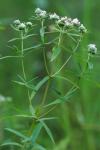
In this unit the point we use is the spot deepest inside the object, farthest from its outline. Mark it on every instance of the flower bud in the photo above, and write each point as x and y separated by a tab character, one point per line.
22	26
41	13
82	29
38	11
29	24
76	22
92	49
17	22
54	16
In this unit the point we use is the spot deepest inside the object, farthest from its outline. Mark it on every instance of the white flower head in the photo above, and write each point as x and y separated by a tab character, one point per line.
64	18
29	24
38	11
65	22
21	26
76	22
82	28
68	23
54	16
17	22
41	13
92	48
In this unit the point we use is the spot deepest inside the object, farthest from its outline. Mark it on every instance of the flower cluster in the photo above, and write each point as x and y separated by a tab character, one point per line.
54	16
67	23
61	21
70	23
40	13
22	26
92	49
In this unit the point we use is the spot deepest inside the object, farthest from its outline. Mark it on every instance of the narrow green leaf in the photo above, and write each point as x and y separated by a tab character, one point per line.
11	143
16	133
55	52
49	118
26	84
21	78
63	99
14	39
33	94
30	86
38	86
36	132
66	79
52	41
32	110
32	79
30	35
25	116
18	82
72	34
39	147
48	131
5	57
33	47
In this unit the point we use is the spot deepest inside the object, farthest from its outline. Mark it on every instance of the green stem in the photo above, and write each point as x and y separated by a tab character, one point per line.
44	53
60	38
23	68
45	61
45	92
22	52
46	67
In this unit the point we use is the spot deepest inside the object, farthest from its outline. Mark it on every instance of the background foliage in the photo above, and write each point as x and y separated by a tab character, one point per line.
79	125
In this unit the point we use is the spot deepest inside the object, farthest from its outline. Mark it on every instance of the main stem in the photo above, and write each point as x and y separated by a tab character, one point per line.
46	67
22	53
45	92
23	68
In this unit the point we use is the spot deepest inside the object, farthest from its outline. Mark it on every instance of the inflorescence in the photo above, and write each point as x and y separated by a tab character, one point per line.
61	21
65	22
21	25
92	49
68	23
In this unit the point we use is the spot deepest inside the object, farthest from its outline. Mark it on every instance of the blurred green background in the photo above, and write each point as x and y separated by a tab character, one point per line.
68	131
